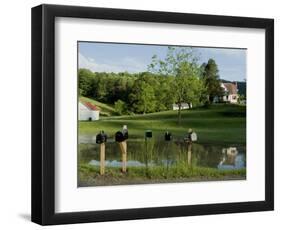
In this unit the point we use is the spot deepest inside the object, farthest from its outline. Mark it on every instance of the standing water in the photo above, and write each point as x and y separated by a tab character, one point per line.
167	153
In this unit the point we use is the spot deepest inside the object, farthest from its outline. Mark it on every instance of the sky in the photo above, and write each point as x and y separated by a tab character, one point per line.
134	58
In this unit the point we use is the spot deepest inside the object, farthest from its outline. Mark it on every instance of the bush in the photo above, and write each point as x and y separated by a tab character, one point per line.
120	107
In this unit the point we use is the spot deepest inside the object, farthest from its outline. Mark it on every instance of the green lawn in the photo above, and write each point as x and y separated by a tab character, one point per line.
222	123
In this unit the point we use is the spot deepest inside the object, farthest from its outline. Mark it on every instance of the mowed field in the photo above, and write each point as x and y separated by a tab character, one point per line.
215	124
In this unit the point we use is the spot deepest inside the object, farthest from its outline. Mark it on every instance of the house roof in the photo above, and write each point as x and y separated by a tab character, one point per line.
90	106
231	88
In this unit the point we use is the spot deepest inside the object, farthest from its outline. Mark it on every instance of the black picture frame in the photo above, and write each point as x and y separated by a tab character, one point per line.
43	114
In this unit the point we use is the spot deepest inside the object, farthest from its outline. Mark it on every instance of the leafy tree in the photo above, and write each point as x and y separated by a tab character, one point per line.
180	63
211	79
163	93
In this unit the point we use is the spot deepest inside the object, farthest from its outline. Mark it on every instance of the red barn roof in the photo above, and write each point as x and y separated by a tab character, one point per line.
90	106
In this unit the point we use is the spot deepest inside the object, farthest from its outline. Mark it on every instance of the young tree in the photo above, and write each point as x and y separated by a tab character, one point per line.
211	79
180	63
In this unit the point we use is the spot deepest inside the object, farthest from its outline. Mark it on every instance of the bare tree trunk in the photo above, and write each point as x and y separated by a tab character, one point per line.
179	114
208	99
211	99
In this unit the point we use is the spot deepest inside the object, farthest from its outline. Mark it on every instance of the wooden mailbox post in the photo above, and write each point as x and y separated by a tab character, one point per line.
102	158
168	138
123	148
121	138
189	148
101	138
191	137
147	135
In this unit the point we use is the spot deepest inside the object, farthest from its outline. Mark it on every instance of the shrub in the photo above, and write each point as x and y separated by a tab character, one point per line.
120	107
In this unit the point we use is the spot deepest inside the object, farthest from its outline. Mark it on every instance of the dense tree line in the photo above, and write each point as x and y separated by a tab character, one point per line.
175	79
130	93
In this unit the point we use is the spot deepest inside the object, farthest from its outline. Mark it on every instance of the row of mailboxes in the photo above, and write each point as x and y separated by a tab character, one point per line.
123	135
120	136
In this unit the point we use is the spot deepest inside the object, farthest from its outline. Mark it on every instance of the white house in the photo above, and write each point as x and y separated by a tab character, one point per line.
88	111
230	93
183	106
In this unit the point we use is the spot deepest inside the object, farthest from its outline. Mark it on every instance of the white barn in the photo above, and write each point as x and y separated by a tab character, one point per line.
183	106
88	111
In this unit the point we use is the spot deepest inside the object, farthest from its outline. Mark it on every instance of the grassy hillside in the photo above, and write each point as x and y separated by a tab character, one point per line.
106	110
216	124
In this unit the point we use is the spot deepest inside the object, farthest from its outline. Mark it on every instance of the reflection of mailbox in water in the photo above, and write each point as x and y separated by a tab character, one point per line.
101	138
121	136
168	136
148	134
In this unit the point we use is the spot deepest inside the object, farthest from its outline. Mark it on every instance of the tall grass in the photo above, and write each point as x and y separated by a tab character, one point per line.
89	175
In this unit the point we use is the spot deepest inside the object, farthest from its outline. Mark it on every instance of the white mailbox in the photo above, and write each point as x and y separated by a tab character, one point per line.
193	136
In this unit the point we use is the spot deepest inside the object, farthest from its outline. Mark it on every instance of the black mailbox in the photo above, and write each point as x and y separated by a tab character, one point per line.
168	136
121	136
101	138
125	134
148	134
